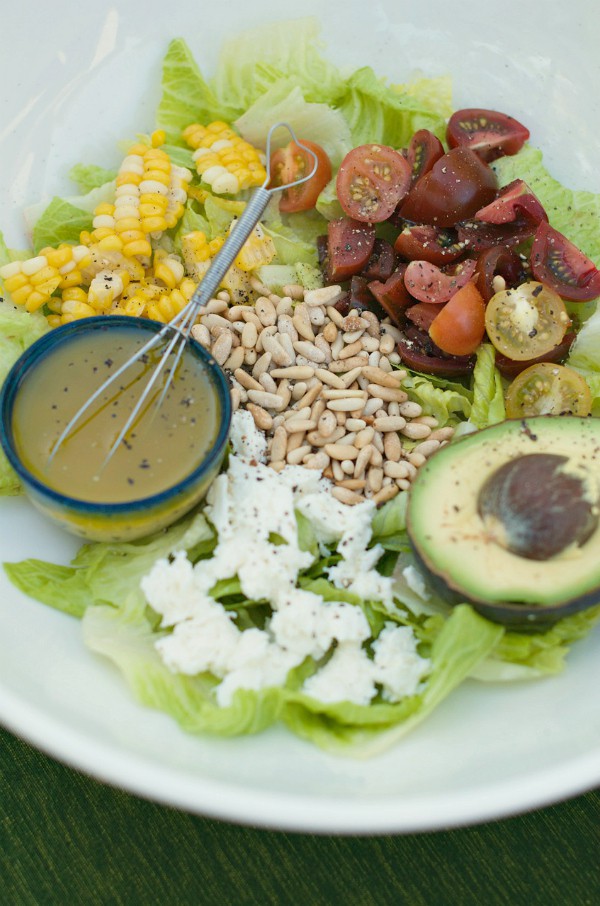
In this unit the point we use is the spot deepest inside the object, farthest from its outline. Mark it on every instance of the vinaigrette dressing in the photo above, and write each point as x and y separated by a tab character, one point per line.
164	445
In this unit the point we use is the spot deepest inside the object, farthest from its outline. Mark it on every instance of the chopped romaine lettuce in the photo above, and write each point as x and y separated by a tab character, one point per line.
488	392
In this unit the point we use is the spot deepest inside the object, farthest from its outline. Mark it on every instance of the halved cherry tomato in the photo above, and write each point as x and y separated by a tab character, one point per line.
508	368
293	162
457	186
515	200
428	283
424	150
428	243
478	236
392	295
487	132
460	326
498	261
371	181
526	322
349	246
558	263
548	389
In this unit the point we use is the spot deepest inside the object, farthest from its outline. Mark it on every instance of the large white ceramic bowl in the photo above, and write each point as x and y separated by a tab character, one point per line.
77	77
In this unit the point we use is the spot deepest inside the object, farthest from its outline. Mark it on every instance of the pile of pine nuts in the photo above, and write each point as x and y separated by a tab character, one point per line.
324	388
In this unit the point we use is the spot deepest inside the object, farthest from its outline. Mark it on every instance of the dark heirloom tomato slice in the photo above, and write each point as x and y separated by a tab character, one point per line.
509	368
349	247
514	201
487	132
422	314
293	162
498	261
460	326
478	236
428	243
548	389
526	322
424	150
392	295
381	263
419	352
558	263
457	186
371	181
428	283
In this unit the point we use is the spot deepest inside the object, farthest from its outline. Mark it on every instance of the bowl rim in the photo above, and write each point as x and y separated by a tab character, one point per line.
58	336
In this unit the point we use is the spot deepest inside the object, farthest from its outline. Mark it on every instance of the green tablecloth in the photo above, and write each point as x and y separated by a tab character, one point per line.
69	840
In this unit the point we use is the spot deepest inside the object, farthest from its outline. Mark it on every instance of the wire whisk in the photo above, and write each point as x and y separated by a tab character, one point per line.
179	328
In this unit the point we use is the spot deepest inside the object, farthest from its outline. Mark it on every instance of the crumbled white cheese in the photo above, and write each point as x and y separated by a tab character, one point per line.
246	442
253	510
346	677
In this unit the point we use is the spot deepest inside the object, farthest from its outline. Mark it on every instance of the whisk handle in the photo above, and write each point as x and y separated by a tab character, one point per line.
230	250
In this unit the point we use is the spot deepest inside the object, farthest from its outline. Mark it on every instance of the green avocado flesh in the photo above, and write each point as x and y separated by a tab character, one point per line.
509	515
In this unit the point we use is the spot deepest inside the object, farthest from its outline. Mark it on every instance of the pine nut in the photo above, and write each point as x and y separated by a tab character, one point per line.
323	346
353	484
395	469
385	494
330	332
355	424
235	360
352	350
294	290
341	451
325	295
372	406
364	437
317	409
235	396
294	372
267	382
298	390
266	400
295	457
374	479
343	365
348	404
427	447
285	325
334	394
417	459
284	306
309	351
261	366
246	380
414	431
201	334
344	495
300	424
328	378
250	317
279	444
383	378
278	353
387	394
283	391
318	460
362	460
441	434
222	347
347	467
391	423
392	446
409	409
266	311
327	423
262	419
249	335
336	316
310	396
295	440
317	440
351	376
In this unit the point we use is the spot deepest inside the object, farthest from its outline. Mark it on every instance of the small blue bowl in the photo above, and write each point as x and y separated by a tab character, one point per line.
127	519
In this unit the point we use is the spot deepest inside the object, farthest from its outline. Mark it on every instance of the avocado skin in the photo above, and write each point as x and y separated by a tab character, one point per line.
520	617
523	617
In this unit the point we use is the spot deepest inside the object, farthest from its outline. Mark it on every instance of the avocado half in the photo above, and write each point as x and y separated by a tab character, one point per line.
507	519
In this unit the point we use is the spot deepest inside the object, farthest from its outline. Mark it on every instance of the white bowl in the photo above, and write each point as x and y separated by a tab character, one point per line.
91	77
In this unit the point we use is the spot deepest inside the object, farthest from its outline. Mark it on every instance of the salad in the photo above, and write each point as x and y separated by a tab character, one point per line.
278	600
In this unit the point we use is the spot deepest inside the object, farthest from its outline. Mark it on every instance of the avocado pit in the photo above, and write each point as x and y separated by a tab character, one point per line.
536	508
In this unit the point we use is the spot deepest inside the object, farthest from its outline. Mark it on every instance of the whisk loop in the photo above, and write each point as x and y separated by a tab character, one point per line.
181	325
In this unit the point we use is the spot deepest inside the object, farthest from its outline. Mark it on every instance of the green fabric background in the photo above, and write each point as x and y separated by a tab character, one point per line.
67	839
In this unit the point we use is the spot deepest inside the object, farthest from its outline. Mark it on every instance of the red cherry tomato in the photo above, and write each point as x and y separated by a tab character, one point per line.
349	246
457	186
428	243
498	261
460	326
424	150
293	162
513	201
489	133
392	294
371	182
559	264
428	283
382	262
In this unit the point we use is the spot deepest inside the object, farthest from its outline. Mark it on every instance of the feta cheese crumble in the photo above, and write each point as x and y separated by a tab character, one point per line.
253	510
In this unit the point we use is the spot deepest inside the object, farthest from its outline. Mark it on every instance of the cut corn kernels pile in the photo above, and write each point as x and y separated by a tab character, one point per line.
323	388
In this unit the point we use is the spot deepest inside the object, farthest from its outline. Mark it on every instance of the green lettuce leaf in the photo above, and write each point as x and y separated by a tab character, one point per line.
60	222
584	357
90	176
18	330
488	392
464	640
391	114
186	96
257	58
446	400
